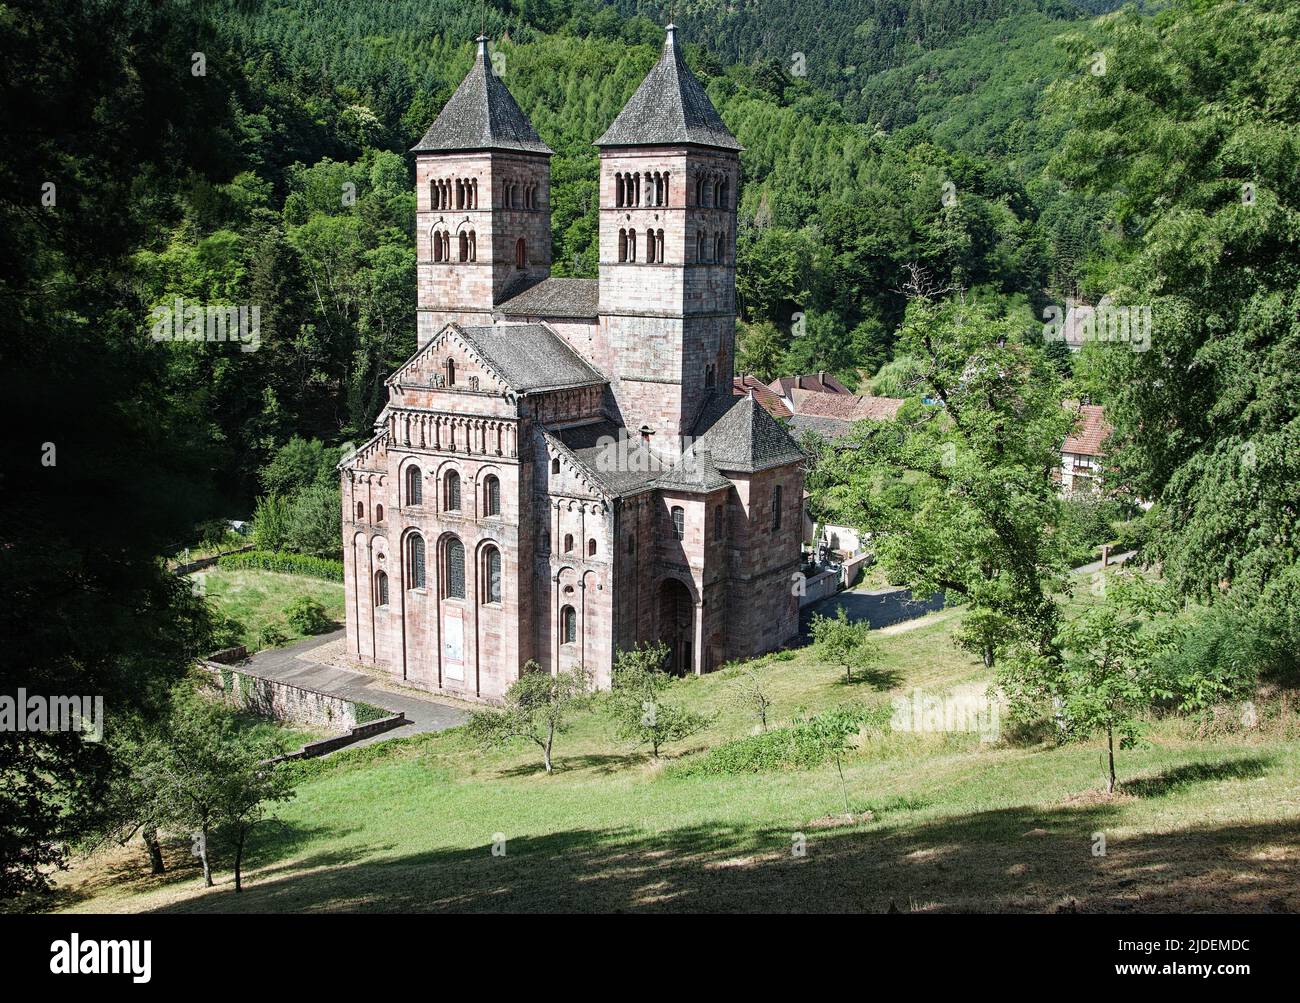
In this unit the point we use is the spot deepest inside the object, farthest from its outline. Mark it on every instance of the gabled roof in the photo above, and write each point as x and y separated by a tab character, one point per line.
530	357
1091	432
821	382
743	385
481	115
742	436
555	297
670	107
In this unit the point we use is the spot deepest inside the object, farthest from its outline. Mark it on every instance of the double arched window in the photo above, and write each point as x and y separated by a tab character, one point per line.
441	246
468	245
453	569
451	491
415	561
414	486
491	495
491	575
626	245
568	625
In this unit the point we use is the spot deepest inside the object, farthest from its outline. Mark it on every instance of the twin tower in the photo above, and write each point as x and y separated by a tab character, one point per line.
659	322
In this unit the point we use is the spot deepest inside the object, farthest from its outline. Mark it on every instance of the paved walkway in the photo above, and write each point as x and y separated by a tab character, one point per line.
294	664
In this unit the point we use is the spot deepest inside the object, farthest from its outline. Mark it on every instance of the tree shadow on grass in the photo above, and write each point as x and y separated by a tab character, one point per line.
880	679
1247	768
598	763
1014	859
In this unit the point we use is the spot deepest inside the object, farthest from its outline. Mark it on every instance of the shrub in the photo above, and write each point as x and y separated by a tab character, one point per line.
227	632
270	635
307	616
286	564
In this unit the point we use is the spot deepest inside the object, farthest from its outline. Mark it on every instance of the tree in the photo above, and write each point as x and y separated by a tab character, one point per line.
749	691
538	707
1109	677
843	642
831	730
957	491
248	785
635	704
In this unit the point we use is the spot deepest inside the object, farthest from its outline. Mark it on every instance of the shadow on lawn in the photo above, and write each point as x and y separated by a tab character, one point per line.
1247	768
1015	859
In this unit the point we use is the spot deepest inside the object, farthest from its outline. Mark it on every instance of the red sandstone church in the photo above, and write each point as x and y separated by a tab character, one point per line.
562	471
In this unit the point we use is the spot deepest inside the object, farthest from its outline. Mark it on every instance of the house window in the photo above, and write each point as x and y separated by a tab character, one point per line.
717	523
415	561
379	513
381	589
776	508
568	543
454	577
591	547
679	522
491	496
491	575
451	491
569	624
414	486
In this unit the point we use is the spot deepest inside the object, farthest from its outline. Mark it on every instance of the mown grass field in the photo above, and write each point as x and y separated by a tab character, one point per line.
258	598
1203	823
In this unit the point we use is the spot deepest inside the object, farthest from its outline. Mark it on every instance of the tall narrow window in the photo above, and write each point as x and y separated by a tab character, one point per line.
569	624
591	547
717	248
451	491
618	190
699	246
473	246
414	486
660	243
679	522
491	575
555	465
622	245
415	561
521	254
568	543
361	510
381	589
379	513
491	495
463	241
454	577
776	507
709	376
717	523
650	246
437	246
631	245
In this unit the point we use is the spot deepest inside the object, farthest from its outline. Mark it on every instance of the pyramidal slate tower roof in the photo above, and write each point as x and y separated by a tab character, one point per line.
670	107
481	115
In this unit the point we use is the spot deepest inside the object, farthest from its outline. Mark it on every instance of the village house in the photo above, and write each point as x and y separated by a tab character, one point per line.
562	470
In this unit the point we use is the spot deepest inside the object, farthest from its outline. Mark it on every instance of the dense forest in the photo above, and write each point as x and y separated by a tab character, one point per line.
237	152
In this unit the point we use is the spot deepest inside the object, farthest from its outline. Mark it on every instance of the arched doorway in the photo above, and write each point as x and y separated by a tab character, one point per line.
676	626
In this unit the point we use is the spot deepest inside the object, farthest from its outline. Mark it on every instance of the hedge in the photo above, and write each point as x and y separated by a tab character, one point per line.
285	563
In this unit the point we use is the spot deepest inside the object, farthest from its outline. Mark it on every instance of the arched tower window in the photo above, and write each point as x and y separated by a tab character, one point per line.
521	254
650	246
451	491
568	543
622	245
379	513
463	241
449	371
776	507
679	522
381	588
717	247
491	495
453	569
473	246
618	190
568	625
414	486
631	245
660	245
361	510
591	547
491	575
699	245
415	561
717	523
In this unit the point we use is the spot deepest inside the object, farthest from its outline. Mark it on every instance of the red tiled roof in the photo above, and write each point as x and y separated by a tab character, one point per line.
774	405
1090	431
848	407
822	383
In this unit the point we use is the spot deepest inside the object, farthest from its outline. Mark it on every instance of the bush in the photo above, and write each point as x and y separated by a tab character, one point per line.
227	632
307	616
271	635
286	564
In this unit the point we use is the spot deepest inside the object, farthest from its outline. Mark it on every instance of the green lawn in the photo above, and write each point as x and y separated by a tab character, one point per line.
256	598
1204	823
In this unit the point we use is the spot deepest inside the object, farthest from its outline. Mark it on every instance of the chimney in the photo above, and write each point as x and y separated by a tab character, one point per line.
821	378
798	382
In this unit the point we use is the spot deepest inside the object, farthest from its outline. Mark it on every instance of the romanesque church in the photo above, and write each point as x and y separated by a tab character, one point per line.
562	470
